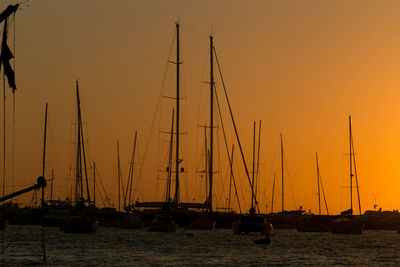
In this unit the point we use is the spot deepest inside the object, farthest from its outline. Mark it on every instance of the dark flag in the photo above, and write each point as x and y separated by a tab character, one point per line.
5	57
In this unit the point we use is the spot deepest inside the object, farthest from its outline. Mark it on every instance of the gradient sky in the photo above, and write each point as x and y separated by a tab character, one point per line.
302	67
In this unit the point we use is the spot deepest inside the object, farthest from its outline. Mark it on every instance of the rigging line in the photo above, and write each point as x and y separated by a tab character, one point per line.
101	183
226	142
323	194
101	197
156	109
191	52
290	181
234	125
355	173
271	172
194	31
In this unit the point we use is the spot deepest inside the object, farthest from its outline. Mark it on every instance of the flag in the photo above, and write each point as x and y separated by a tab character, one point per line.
5	57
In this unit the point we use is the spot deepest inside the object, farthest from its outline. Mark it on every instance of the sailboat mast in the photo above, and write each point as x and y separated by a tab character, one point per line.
168	192
319	195
44	151
273	191
210	167
351	166
177	118
230	179
258	157
4	130
52	183
119	178
133	168
282	174
252	177
78	170
206	161
81	150
94	183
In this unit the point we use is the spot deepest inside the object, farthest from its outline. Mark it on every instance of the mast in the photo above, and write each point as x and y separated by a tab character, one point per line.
133	169
282	174
273	191
80	152
355	174
319	195
52	182
78	170
230	179
44	151
119	179
351	166
84	165
210	169
168	192
258	157
177	118
43	172
206	161
252	177
94	183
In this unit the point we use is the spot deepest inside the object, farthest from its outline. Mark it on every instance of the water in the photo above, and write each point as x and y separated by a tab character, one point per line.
121	247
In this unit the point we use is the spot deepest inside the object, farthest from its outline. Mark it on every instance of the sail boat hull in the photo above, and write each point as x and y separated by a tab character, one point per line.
314	224
80	225
162	223
345	225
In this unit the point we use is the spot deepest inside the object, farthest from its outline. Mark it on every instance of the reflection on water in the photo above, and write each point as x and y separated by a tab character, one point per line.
122	247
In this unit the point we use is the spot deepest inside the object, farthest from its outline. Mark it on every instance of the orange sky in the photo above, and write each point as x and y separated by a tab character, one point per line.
302	67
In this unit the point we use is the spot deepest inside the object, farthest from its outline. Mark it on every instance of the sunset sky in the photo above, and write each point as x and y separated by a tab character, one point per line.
302	67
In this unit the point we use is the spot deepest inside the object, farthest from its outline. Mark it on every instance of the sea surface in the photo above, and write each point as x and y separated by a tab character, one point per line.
121	247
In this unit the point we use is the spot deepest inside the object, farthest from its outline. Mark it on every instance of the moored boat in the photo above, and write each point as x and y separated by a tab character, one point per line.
162	223
252	223
346	225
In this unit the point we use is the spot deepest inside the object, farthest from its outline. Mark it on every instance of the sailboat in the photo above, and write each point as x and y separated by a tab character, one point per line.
81	217
172	204
346	223
10	10
163	221
284	219
253	222
205	220
316	223
131	219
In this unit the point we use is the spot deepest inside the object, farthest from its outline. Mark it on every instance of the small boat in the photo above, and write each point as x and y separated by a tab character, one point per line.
252	223
315	223
162	223
346	223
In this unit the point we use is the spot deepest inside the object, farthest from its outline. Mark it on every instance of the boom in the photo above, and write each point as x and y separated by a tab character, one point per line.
41	183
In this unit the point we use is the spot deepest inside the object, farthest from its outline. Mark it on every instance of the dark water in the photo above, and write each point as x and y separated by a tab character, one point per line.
119	247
